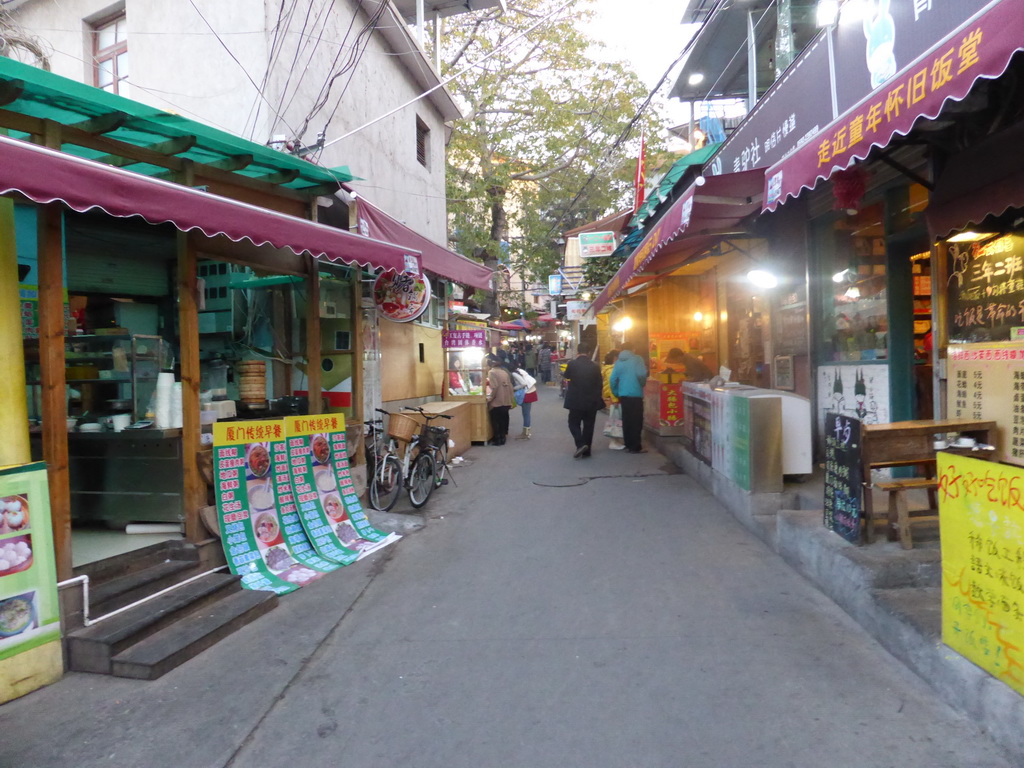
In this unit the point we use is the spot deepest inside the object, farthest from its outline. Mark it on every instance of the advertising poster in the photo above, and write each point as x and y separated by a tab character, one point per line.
842	476
250	528
980	507
328	504
986	382
29	611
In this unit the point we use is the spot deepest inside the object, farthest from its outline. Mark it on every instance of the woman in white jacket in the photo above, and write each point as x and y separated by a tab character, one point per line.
524	387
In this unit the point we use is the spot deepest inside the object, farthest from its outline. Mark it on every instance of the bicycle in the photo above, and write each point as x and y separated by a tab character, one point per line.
391	471
434	440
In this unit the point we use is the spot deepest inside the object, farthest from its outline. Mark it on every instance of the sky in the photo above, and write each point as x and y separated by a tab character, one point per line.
649	34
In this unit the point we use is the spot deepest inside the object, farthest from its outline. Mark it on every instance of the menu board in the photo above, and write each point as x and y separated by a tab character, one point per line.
986	382
251	470
843	476
29	610
986	289
980	507
328	505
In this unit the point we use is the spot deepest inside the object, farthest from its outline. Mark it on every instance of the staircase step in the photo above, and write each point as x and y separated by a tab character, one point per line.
174	645
90	649
121	591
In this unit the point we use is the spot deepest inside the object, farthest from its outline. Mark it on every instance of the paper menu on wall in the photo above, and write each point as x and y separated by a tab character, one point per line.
986	382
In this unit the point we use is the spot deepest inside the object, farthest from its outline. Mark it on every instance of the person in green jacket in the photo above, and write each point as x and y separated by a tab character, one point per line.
627	382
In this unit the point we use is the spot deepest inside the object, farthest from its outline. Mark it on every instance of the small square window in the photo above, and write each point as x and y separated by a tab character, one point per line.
422	142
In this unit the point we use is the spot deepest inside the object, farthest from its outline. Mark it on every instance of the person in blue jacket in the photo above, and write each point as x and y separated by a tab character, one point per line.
627	381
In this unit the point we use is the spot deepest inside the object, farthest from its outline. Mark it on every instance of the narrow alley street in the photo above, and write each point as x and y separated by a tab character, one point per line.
553	612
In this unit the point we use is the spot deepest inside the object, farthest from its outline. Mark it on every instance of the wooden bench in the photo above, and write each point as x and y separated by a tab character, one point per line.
901	517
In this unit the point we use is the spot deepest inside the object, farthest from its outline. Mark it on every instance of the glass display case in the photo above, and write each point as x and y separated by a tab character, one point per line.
114	373
464	374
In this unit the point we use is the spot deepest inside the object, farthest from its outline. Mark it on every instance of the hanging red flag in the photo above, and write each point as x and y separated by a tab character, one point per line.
640	179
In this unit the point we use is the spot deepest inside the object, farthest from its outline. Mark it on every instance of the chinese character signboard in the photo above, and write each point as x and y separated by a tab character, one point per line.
909	77
594	244
980	507
574	310
986	382
843	475
464	339
30	648
986	289
555	285
328	504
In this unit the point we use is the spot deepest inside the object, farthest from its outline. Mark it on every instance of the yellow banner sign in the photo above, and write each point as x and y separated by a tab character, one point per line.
311	425
980	508
242	432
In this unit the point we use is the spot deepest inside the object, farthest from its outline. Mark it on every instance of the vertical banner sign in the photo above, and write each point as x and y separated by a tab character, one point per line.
980	508
250	528
328	505
842	476
29	612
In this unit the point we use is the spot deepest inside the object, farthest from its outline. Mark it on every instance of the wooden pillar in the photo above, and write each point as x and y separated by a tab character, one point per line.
14	448
313	350
358	414
194	491
54	385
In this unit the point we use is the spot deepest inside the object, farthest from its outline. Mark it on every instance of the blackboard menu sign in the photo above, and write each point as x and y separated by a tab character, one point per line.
842	476
986	289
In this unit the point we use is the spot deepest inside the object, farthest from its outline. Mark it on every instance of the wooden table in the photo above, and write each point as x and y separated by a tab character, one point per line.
910	443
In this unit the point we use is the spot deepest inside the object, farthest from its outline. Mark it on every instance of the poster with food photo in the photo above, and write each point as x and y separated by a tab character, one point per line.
247	505
299	559
323	483
29	612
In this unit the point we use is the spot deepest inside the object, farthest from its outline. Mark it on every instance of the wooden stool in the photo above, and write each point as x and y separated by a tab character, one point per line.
900	518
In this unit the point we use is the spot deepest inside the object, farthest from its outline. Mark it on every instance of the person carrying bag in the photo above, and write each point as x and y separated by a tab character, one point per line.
525	393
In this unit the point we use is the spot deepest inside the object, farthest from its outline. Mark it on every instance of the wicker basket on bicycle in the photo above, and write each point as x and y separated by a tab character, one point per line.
433	437
402	427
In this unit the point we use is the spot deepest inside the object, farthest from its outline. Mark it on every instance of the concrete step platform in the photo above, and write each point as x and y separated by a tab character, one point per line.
174	645
91	649
125	589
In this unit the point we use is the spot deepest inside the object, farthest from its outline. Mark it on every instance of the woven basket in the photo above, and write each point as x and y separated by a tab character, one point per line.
402	427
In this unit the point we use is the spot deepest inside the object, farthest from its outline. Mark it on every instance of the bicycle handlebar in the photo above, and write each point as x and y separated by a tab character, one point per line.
426	414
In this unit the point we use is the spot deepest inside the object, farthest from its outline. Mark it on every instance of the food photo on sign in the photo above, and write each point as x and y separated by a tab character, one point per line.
401	297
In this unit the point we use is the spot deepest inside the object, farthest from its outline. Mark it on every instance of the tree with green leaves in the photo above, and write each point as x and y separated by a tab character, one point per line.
551	133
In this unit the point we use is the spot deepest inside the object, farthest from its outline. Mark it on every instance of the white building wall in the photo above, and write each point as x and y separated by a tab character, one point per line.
177	64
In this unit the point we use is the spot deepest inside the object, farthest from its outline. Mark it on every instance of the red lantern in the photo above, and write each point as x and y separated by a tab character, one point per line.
849	187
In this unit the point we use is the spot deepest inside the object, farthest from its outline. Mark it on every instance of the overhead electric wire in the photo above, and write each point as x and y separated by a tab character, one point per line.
458	74
235	58
254	111
299	48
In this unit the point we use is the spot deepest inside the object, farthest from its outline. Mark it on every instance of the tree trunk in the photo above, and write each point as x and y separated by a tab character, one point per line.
490	254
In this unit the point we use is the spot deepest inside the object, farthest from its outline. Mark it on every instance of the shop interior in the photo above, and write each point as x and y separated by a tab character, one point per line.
121	365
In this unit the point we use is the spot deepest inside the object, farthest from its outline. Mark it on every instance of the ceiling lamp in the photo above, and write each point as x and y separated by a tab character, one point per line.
827	13
696	78
762	278
968	237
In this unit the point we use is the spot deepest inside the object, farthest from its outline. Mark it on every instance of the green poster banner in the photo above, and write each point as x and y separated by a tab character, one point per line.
328	503
251	468
29	610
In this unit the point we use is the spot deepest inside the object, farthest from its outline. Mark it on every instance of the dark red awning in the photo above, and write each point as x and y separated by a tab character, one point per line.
980	48
709	210
374	223
47	176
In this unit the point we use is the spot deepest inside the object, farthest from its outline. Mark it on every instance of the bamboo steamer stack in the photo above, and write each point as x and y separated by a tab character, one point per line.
252	381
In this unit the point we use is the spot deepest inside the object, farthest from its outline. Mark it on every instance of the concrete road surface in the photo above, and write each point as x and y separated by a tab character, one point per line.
555	612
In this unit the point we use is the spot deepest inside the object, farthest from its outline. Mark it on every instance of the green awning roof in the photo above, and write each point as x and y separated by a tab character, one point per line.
661	193
36	93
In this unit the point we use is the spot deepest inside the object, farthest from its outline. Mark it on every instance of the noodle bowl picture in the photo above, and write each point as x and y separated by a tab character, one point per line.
259	460
266	528
334	508
321	449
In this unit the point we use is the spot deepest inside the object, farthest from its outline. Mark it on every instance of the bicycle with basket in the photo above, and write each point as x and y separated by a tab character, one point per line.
419	468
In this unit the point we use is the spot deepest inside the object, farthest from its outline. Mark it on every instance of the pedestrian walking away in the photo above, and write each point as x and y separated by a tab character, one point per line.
613	425
499	399
583	399
524	388
544	363
530	360
629	375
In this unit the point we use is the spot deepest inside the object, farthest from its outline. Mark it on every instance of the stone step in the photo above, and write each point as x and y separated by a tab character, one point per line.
118	592
170	647
90	649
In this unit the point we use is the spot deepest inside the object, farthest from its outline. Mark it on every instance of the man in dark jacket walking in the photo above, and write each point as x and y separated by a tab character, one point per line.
583	399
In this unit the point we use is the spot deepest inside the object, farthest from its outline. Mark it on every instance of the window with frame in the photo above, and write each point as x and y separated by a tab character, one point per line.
110	55
422	142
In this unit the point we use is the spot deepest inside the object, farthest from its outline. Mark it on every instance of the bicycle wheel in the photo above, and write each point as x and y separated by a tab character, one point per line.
386	484
421	480
440	464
